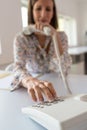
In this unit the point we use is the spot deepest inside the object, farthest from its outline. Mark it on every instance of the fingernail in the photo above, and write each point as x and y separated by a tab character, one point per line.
35	99
41	99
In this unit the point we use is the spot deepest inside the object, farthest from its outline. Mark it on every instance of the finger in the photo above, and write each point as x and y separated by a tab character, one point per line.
47	92
38	25
32	94
41	28
51	88
38	93
42	25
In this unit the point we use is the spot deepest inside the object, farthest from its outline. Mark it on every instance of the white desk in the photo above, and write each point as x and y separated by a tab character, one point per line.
78	51
11	117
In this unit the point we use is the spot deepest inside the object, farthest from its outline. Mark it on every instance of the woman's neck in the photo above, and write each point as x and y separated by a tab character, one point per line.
41	38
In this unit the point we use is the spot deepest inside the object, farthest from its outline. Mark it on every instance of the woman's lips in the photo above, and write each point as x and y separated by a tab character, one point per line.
43	21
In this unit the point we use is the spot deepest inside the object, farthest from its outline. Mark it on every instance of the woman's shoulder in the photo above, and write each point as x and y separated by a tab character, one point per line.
23	38
62	33
19	35
23	34
63	36
20	38
28	30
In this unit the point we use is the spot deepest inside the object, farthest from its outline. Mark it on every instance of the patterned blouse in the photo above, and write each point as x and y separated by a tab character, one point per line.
30	57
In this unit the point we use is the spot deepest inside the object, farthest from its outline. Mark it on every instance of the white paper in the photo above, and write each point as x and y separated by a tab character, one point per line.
4	74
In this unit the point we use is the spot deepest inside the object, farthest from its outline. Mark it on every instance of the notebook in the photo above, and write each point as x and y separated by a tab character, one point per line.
4	74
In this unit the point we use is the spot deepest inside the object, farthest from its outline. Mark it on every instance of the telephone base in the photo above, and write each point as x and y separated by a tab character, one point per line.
67	114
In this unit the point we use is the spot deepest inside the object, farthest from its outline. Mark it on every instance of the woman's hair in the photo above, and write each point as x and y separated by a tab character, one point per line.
54	21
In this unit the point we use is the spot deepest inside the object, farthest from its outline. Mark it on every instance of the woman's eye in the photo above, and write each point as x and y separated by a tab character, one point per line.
48	9
39	8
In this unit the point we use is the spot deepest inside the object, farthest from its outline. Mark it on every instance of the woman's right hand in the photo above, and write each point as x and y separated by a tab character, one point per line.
36	89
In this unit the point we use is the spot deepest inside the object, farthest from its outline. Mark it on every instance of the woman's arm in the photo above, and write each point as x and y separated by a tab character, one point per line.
35	87
20	71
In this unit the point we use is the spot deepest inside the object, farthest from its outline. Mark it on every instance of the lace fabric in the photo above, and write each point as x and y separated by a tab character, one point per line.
28	60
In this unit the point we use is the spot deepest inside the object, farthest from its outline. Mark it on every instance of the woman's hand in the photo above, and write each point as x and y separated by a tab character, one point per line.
37	88
41	25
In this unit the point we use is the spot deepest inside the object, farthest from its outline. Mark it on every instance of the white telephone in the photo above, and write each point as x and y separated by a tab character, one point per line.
31	28
64	113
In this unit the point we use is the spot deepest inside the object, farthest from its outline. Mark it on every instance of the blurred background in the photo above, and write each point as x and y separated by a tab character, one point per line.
72	16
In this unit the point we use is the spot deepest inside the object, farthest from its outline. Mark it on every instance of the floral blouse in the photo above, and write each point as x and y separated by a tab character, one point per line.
30	57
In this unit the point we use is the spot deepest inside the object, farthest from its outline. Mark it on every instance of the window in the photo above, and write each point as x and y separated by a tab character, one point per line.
24	15
24	11
68	25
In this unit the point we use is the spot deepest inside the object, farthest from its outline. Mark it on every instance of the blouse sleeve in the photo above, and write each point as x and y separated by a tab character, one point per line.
19	70
66	60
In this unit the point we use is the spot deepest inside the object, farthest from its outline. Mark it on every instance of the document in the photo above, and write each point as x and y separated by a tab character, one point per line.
4	74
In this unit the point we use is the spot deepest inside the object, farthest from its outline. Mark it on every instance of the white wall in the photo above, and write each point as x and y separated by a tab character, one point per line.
82	23
78	10
67	7
10	24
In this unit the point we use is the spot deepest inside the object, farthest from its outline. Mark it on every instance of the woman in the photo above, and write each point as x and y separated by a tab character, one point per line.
34	52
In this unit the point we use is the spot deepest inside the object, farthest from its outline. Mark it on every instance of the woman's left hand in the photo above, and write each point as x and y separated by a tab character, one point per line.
41	25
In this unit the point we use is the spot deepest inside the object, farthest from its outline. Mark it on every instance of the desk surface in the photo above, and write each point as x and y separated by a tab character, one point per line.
11	117
77	50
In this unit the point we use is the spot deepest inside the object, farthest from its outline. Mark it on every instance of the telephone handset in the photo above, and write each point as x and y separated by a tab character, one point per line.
31	28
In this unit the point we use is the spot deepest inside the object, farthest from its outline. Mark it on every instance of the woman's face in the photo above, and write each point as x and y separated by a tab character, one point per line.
43	11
